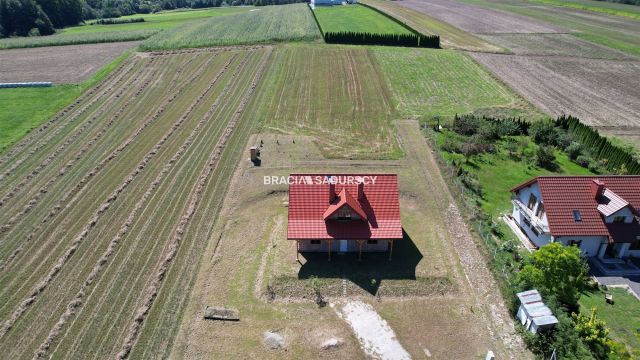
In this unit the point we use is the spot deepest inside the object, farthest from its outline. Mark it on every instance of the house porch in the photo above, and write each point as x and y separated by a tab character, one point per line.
333	246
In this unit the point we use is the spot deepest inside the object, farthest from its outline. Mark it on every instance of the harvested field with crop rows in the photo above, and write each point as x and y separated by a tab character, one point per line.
106	207
267	24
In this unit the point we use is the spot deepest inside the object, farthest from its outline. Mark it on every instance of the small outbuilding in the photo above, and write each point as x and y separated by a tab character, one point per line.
534	315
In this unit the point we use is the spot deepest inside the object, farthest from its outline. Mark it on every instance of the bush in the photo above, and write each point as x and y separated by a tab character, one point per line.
583	161
509	127
490	130
466	125
544	133
451	144
574	150
472	183
546	157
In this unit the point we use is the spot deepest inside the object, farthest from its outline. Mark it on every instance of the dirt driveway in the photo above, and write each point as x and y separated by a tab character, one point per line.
70	64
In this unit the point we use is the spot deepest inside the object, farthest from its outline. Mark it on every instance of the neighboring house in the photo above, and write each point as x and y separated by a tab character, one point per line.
339	214
315	3
599	214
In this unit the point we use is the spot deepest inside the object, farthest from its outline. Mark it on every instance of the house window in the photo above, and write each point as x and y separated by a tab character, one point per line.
344	214
372	242
618	219
527	222
315	242
532	201
576	215
535	231
635	246
540	211
575	243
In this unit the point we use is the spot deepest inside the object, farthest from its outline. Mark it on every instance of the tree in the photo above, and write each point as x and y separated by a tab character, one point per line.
593	332
19	17
556	270
62	12
544	132
545	157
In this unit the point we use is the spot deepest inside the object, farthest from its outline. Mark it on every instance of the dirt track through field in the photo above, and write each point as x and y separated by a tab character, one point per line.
69	64
98	201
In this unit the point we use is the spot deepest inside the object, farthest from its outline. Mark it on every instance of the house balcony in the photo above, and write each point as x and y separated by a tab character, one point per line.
535	221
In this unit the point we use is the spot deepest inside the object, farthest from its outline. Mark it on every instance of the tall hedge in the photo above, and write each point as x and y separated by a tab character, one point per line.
600	146
408	40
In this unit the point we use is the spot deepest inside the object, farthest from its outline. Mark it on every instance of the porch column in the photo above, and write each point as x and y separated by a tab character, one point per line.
297	250
623	250
391	250
360	249
329	250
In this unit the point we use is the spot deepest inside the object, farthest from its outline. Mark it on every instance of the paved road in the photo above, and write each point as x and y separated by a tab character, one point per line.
632	281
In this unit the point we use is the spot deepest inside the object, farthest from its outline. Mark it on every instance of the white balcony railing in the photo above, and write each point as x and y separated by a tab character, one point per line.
535	221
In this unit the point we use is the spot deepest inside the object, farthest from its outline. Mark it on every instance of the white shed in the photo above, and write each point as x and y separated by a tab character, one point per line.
533	313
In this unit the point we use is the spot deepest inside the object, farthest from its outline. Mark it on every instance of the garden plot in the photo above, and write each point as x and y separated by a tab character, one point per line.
248	252
105	207
64	64
479	20
599	92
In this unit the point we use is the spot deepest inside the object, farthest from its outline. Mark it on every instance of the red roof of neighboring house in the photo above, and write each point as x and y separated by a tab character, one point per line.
564	194
309	206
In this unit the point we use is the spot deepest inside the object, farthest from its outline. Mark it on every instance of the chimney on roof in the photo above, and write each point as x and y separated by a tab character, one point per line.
360	190
332	190
597	187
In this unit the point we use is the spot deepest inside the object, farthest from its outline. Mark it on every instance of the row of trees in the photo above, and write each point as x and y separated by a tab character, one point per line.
37	17
600	147
409	40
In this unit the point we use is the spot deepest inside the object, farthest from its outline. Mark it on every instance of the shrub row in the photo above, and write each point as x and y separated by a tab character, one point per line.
407	40
112	21
600	146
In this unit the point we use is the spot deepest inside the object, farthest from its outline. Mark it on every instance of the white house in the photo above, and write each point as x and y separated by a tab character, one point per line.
534	315
599	214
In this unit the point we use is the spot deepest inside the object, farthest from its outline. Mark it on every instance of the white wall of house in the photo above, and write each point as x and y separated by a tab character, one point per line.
590	245
626	212
523	195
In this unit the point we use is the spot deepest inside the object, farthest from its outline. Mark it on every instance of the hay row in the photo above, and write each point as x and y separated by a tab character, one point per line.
81	185
45	188
24	305
195	197
77	302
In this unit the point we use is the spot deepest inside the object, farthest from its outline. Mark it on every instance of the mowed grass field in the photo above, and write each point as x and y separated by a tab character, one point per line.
443	83
268	24
356	18
105	209
92	34
337	94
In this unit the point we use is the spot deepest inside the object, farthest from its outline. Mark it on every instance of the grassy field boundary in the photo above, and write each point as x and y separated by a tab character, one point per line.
404	25
592	8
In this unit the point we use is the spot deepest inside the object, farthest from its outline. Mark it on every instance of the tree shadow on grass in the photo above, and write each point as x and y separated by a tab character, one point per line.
369	273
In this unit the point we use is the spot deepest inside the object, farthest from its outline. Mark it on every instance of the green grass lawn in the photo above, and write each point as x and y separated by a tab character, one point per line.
498	173
622	318
356	18
24	109
92	34
163	21
268	24
631	11
444	83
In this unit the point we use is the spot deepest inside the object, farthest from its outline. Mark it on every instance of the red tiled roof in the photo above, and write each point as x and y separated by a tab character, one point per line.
308	203
344	199
563	194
